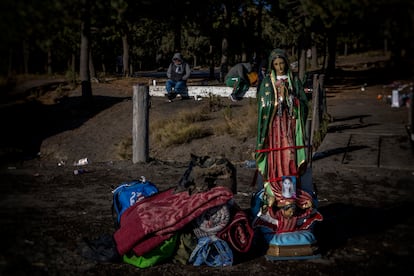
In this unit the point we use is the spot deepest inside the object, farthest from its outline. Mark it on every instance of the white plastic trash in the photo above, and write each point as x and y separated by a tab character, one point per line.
395	99
82	162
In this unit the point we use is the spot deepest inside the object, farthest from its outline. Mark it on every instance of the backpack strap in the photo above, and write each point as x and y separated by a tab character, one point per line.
115	209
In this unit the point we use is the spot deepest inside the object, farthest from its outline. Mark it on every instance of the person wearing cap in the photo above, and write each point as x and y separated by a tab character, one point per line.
178	73
240	77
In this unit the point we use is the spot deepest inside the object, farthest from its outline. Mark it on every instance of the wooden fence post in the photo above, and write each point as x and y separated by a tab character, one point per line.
140	123
411	116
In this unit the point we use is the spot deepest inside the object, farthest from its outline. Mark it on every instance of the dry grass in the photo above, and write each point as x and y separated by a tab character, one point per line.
124	149
234	123
216	119
187	126
181	129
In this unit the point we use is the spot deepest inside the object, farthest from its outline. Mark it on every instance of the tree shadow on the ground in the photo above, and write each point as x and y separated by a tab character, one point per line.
336	151
358	78
338	128
343	222
353	117
26	125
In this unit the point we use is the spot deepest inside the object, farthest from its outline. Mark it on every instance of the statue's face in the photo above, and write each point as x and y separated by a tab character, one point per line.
280	66
287	183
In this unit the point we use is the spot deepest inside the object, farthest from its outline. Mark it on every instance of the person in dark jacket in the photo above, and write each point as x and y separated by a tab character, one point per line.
240	77
178	73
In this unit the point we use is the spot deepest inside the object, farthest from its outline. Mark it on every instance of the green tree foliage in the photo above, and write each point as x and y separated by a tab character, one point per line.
44	36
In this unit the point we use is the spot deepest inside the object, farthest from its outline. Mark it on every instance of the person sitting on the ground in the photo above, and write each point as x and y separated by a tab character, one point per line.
178	73
240	77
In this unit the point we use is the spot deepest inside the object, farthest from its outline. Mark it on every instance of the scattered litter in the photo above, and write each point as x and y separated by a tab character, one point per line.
363	87
250	164
398	100
79	171
359	251
29	242
388	99
61	163
81	162
395	102
400	94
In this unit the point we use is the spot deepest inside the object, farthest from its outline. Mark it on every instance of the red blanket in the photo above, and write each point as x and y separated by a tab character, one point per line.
151	221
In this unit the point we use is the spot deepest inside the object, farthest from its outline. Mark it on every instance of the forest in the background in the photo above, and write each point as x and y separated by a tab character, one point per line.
91	38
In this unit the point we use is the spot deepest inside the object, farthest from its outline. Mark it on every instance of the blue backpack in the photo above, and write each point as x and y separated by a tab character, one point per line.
129	193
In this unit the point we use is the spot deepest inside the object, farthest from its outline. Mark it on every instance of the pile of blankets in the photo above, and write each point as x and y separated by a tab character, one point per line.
198	222
199	216
211	216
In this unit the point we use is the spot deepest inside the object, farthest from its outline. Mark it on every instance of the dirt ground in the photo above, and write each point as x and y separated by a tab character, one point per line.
46	210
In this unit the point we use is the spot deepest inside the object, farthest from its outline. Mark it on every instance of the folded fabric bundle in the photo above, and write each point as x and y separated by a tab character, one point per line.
238	233
155	256
146	225
212	221
211	251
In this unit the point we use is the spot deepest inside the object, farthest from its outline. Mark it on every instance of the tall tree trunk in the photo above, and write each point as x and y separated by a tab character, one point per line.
73	70
103	65
325	55
314	57
243	41
302	63
10	67
177	32
302	56
92	67
49	61
25	58
125	55
259	23
224	63
212	75
332	38
84	51
225	44
194	60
